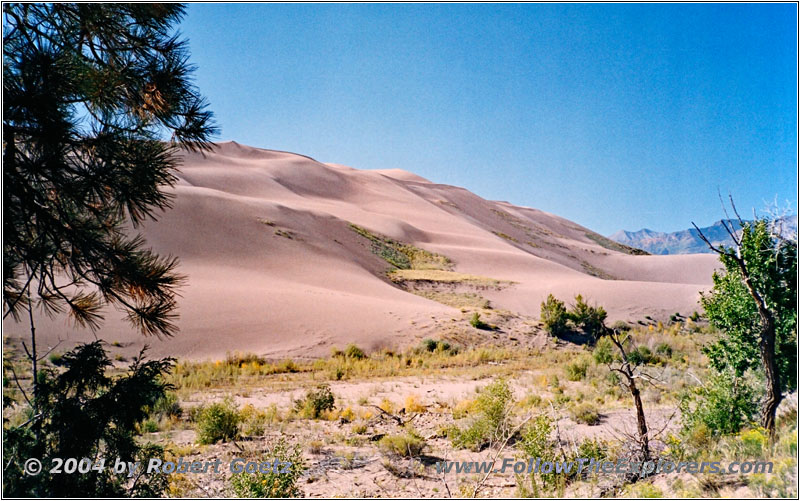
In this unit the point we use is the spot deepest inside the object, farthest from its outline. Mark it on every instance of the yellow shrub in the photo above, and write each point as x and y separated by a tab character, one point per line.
413	404
347	415
387	406
463	408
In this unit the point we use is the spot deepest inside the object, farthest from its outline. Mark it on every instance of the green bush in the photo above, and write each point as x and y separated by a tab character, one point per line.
596	449
476	322
272	484
576	370
590	319
428	345
535	439
489	418
621	326
604	351
585	413
640	356
85	412
218	422
168	406
316	402
554	315
56	358
723	405
408	444
149	426
354	352
664	349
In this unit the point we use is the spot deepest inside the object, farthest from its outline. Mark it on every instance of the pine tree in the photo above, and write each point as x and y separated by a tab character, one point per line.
97	99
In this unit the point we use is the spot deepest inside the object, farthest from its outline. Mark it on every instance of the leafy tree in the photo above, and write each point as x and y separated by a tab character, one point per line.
753	302
83	413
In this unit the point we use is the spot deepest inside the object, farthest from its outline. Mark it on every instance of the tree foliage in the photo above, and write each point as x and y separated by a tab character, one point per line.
753	302
582	316
84	413
590	319
97	98
772	266
554	315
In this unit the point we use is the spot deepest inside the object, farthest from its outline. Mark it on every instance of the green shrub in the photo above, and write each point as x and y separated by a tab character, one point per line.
489	418
596	449
241	359
751	444
621	326
149	426
590	319
315	402
604	351
535	439
723	405
408	444
664	349
431	346
254	421
576	370
167	406
428	345
640	356
354	352
272	484
585	413
476	322
218	422
56	358
554	315
647	490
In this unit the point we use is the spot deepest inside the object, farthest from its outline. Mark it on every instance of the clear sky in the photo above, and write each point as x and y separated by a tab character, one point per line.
614	116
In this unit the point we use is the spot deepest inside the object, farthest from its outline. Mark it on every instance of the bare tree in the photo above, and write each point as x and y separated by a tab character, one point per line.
630	374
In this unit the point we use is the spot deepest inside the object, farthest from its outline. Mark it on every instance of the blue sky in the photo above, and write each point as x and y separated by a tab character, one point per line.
614	116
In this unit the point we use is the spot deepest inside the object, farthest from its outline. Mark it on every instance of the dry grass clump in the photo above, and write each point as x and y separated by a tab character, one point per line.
443	276
408	444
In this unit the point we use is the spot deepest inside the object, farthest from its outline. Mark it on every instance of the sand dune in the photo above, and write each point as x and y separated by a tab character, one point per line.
274	268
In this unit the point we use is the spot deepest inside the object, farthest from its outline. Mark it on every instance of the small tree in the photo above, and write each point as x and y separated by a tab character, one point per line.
554	315
588	318
754	303
604	353
83	413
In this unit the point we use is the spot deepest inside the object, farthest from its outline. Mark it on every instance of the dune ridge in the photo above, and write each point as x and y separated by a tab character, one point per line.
274	268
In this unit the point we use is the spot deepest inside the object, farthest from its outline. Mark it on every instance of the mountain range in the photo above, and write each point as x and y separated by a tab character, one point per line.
688	241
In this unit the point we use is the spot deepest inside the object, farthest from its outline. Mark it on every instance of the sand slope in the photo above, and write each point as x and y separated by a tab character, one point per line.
273	267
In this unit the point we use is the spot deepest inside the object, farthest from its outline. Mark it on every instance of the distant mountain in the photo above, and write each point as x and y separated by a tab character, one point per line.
688	241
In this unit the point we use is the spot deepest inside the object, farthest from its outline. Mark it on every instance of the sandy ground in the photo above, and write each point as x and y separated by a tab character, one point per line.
305	282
